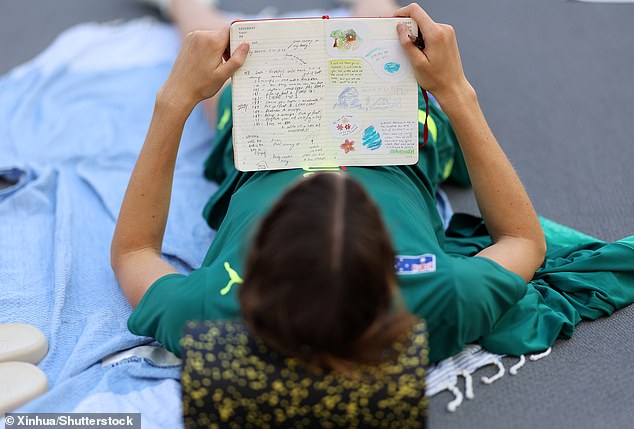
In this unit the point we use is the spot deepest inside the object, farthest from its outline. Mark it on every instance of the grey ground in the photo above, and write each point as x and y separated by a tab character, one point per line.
556	80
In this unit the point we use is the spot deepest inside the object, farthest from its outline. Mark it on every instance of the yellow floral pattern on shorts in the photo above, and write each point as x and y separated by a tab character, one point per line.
232	380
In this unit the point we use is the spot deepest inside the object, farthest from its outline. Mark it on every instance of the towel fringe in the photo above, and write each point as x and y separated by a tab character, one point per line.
468	385
453	405
494	378
459	397
513	370
539	356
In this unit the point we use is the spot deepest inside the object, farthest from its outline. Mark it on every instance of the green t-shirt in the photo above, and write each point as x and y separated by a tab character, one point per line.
460	297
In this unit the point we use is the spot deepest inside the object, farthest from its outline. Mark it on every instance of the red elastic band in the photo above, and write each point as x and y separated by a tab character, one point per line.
425	129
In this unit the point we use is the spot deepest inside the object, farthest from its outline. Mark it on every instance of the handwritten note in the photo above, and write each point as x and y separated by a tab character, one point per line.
306	93
345	72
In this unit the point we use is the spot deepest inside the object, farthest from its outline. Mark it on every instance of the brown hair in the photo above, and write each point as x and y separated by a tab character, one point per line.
320	281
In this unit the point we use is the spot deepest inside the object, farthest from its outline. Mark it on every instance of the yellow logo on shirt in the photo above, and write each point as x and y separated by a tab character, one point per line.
431	124
224	119
234	278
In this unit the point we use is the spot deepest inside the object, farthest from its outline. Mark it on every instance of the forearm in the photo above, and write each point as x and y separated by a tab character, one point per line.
145	207
197	74
519	244
503	201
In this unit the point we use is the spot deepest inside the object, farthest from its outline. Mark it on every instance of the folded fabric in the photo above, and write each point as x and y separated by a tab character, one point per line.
581	278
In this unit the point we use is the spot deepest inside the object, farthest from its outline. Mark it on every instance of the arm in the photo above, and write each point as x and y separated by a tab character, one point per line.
198	73
518	239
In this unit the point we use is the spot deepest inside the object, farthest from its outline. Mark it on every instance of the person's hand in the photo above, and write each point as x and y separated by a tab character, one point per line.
199	70
438	67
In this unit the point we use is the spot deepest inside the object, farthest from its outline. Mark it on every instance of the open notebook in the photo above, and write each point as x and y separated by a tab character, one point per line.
323	93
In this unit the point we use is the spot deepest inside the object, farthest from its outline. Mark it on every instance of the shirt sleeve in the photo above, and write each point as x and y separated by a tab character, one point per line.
484	292
464	304
166	307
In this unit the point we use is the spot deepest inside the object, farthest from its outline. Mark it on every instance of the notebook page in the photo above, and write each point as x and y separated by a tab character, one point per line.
371	95
278	95
323	93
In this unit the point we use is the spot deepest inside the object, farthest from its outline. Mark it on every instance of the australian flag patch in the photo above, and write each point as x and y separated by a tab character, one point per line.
415	264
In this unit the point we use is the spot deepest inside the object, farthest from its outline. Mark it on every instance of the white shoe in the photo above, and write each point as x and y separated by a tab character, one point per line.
19	342
20	382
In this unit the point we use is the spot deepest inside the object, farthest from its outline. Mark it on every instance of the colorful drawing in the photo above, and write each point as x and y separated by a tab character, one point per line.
372	51
347	146
348	99
344	126
391	67
345	40
371	138
388	60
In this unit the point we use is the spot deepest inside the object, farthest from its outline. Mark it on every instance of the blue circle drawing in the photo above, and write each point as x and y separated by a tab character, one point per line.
392	67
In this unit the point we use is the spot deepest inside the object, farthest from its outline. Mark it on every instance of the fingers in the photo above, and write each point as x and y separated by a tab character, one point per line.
414	11
223	36
447	31
415	55
236	60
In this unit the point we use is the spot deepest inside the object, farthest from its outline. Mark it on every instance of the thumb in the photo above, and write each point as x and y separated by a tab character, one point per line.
415	55
236	60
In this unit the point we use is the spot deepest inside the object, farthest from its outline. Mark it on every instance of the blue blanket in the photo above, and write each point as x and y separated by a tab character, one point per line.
71	124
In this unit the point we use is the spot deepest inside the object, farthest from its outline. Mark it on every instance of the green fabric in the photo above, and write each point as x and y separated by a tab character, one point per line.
466	299
582	278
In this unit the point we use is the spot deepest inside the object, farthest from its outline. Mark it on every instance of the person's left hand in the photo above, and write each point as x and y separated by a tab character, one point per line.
199	71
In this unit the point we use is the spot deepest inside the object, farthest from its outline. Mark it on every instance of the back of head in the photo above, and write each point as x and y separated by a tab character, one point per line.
320	279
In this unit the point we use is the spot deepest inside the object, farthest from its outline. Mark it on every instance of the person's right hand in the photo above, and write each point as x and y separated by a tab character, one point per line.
199	70
438	67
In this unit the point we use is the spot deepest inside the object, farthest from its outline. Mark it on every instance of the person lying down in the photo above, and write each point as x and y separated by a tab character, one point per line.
316	297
